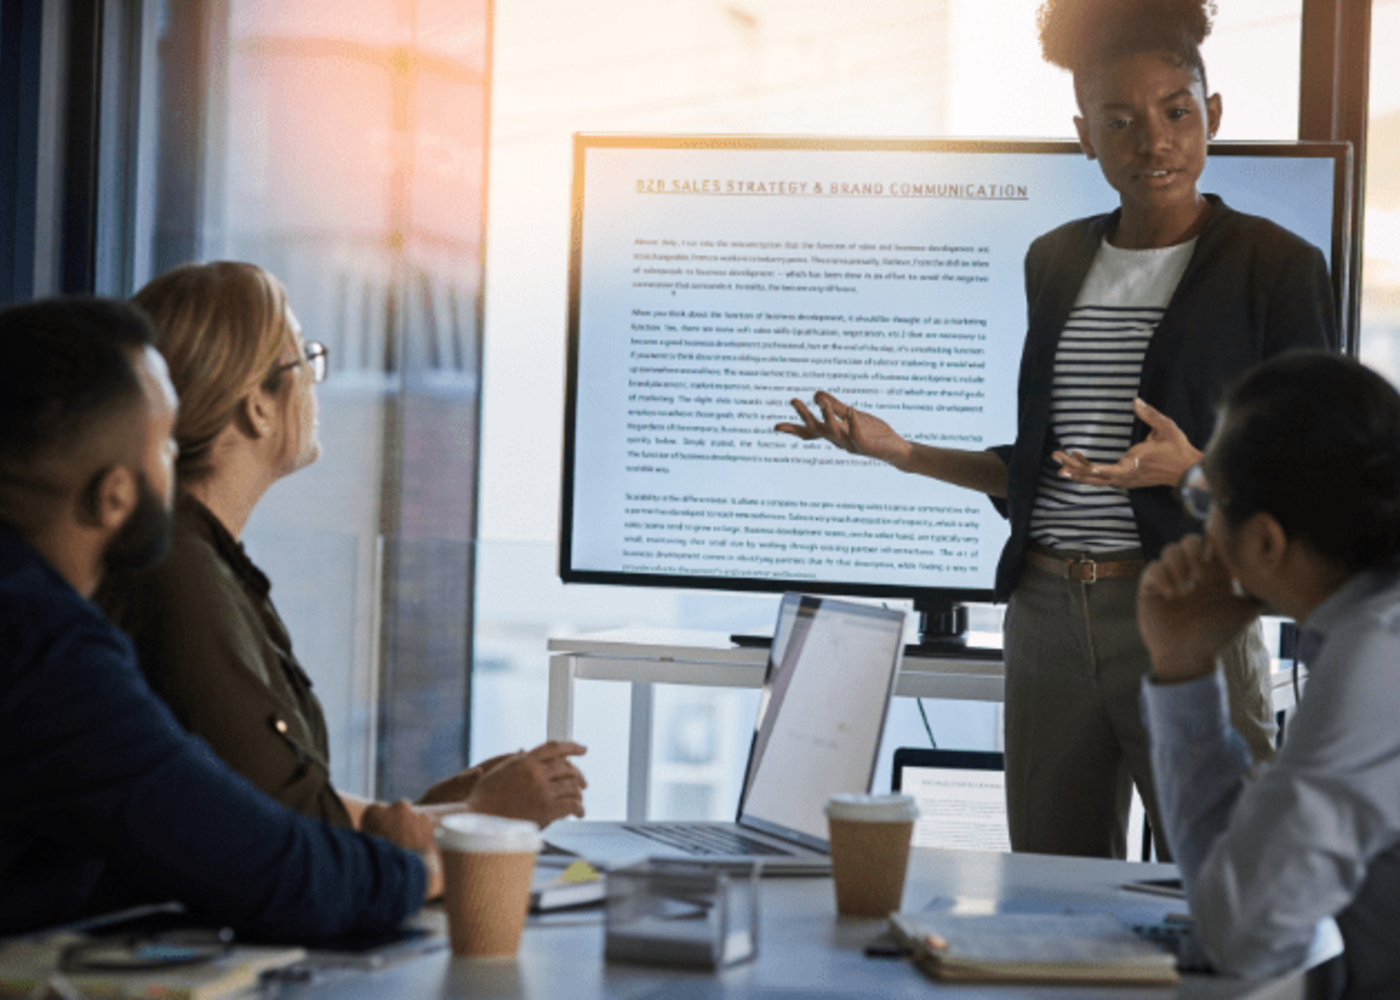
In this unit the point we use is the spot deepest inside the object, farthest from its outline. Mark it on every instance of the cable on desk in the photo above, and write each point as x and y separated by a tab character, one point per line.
933	743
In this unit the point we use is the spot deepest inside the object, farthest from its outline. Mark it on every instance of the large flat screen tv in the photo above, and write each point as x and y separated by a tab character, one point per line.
715	278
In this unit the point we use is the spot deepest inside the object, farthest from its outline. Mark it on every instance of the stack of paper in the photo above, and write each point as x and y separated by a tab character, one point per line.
577	885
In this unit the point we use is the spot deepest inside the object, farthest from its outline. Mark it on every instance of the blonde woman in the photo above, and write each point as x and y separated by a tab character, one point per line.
208	636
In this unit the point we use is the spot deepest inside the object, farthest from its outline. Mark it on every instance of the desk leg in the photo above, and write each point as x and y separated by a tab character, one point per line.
639	754
559	720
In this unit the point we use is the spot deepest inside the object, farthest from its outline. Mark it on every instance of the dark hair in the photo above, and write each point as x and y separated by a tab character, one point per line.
1081	34
65	364
1313	439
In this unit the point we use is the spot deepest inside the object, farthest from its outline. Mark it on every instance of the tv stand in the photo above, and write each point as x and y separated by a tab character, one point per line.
942	633
942	627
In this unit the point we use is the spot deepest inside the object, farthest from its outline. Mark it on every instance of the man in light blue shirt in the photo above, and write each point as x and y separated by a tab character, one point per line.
1300	493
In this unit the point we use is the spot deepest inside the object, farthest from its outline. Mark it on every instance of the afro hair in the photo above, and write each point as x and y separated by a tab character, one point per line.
1079	33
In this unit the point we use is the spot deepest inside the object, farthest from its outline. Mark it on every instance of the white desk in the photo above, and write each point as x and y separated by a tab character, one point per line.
674	656
804	950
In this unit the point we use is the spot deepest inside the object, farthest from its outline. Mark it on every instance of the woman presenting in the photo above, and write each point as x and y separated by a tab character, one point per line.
1136	322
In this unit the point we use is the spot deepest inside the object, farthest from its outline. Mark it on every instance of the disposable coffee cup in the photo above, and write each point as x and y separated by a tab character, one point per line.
487	863
870	836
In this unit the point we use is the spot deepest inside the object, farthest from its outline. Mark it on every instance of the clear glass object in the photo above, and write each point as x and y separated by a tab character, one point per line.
681	913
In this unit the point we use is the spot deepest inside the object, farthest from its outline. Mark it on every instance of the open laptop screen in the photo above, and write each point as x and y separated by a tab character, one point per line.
961	795
831	672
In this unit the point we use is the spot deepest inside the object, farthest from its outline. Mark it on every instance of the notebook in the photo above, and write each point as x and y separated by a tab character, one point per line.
1033	948
831	671
142	952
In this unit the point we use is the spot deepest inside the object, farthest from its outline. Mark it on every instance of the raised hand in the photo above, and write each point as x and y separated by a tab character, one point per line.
541	785
1189	609
459	786
1158	460
851	430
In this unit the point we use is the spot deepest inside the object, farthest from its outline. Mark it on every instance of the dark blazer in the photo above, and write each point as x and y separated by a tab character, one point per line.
100	787
1251	290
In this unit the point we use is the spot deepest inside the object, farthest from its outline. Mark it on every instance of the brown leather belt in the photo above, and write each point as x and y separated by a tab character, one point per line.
1083	569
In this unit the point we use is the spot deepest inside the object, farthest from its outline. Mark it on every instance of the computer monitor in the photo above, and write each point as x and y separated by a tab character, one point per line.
713	279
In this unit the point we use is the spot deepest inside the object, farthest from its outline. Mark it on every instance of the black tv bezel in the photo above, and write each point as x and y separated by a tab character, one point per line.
1342	263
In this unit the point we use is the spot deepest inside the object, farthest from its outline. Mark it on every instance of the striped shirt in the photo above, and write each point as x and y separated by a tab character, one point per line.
1098	369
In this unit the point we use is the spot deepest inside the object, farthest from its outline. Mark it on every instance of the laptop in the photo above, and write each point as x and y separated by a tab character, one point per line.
831	671
961	795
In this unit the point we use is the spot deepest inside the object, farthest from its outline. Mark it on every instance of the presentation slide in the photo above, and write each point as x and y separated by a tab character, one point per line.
717	284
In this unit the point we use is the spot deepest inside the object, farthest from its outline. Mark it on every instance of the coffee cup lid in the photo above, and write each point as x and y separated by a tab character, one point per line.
486	834
872	808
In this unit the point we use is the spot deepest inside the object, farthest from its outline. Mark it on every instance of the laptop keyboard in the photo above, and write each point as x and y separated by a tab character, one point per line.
705	841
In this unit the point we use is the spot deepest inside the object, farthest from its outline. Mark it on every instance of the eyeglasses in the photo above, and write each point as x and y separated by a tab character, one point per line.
316	355
1194	493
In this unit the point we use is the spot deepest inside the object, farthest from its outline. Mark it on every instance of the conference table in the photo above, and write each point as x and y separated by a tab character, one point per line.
804	950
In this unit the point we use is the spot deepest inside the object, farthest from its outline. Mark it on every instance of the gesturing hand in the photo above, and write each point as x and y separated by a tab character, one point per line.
541	785
1160	459
850	429
459	786
1188	609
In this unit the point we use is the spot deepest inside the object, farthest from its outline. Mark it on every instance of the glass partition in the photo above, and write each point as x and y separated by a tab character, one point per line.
1380	252
341	145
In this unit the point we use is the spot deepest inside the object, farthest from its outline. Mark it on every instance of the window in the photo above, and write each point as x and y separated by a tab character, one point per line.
1380	266
340	145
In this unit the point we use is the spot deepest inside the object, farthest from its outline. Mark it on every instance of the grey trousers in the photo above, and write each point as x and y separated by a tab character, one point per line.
1075	743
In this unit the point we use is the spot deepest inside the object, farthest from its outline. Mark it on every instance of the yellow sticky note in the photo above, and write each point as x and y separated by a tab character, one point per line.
579	871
